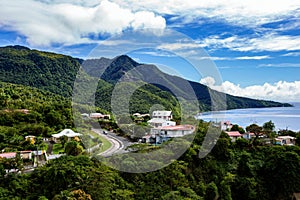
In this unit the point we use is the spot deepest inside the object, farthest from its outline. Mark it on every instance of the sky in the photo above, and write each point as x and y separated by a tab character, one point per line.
253	44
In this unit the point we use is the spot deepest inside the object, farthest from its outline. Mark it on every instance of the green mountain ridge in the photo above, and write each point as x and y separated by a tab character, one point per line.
57	73
124	66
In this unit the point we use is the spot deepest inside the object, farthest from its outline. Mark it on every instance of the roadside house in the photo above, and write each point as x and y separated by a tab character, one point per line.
158	122
66	132
234	135
285	140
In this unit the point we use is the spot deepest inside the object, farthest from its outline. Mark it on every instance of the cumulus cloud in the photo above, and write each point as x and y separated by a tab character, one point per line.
48	22
280	91
247	12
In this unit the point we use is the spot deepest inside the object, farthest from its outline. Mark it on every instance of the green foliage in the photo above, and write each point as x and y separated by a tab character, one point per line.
231	170
73	148
211	192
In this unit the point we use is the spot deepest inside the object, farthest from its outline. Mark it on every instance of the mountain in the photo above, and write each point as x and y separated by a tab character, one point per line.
49	71
56	73
123	66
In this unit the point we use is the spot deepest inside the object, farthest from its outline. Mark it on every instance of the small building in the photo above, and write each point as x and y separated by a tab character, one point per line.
26	155
285	140
176	131
164	133
163	114
66	132
148	139
30	138
248	136
40	158
8	155
85	115
234	135
99	116
226	125
158	122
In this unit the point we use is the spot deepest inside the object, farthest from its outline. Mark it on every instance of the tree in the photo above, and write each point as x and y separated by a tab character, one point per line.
236	127
73	148
269	128
211	192
254	128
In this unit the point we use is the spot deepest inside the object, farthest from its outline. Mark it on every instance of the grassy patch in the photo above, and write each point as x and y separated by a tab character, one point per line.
105	143
57	148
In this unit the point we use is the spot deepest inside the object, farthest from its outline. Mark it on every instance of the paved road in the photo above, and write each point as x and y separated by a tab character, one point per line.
118	143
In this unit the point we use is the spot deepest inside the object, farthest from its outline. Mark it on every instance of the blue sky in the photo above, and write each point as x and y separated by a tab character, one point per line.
255	45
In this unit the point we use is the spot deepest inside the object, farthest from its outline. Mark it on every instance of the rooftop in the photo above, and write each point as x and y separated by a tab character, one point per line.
233	133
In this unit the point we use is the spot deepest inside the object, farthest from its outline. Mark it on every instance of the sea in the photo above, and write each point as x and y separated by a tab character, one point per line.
282	117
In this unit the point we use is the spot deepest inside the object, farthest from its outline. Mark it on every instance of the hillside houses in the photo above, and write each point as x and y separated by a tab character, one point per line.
66	132
164	129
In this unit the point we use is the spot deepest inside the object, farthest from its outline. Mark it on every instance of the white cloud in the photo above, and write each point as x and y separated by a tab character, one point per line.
281	91
234	58
280	65
292	54
252	57
180	46
209	81
246	12
49	22
268	42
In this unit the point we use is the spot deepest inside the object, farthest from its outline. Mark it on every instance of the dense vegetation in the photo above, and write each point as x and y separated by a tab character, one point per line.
29	111
240	170
231	171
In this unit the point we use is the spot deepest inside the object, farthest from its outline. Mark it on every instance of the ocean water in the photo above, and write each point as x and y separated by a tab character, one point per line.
282	117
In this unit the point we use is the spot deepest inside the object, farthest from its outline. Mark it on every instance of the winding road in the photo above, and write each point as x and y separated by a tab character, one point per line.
118	144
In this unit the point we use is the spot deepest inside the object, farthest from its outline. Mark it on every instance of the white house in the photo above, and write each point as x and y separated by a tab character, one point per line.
173	131
225	125
177	131
248	135
99	116
285	140
158	122
234	135
163	114
66	132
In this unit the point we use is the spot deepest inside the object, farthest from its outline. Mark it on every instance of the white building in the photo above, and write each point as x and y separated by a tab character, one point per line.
285	140
234	135
99	116
66	132
226	125
173	131
158	122
163	114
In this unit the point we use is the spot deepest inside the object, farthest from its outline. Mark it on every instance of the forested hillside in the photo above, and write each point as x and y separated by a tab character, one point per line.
232	171
56	73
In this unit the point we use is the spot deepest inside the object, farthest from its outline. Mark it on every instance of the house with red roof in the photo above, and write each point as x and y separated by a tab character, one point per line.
234	135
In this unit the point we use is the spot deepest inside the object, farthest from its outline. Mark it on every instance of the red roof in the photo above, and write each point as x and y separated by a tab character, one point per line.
233	133
8	155
177	128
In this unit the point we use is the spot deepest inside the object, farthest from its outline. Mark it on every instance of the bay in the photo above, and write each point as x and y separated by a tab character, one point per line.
282	117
